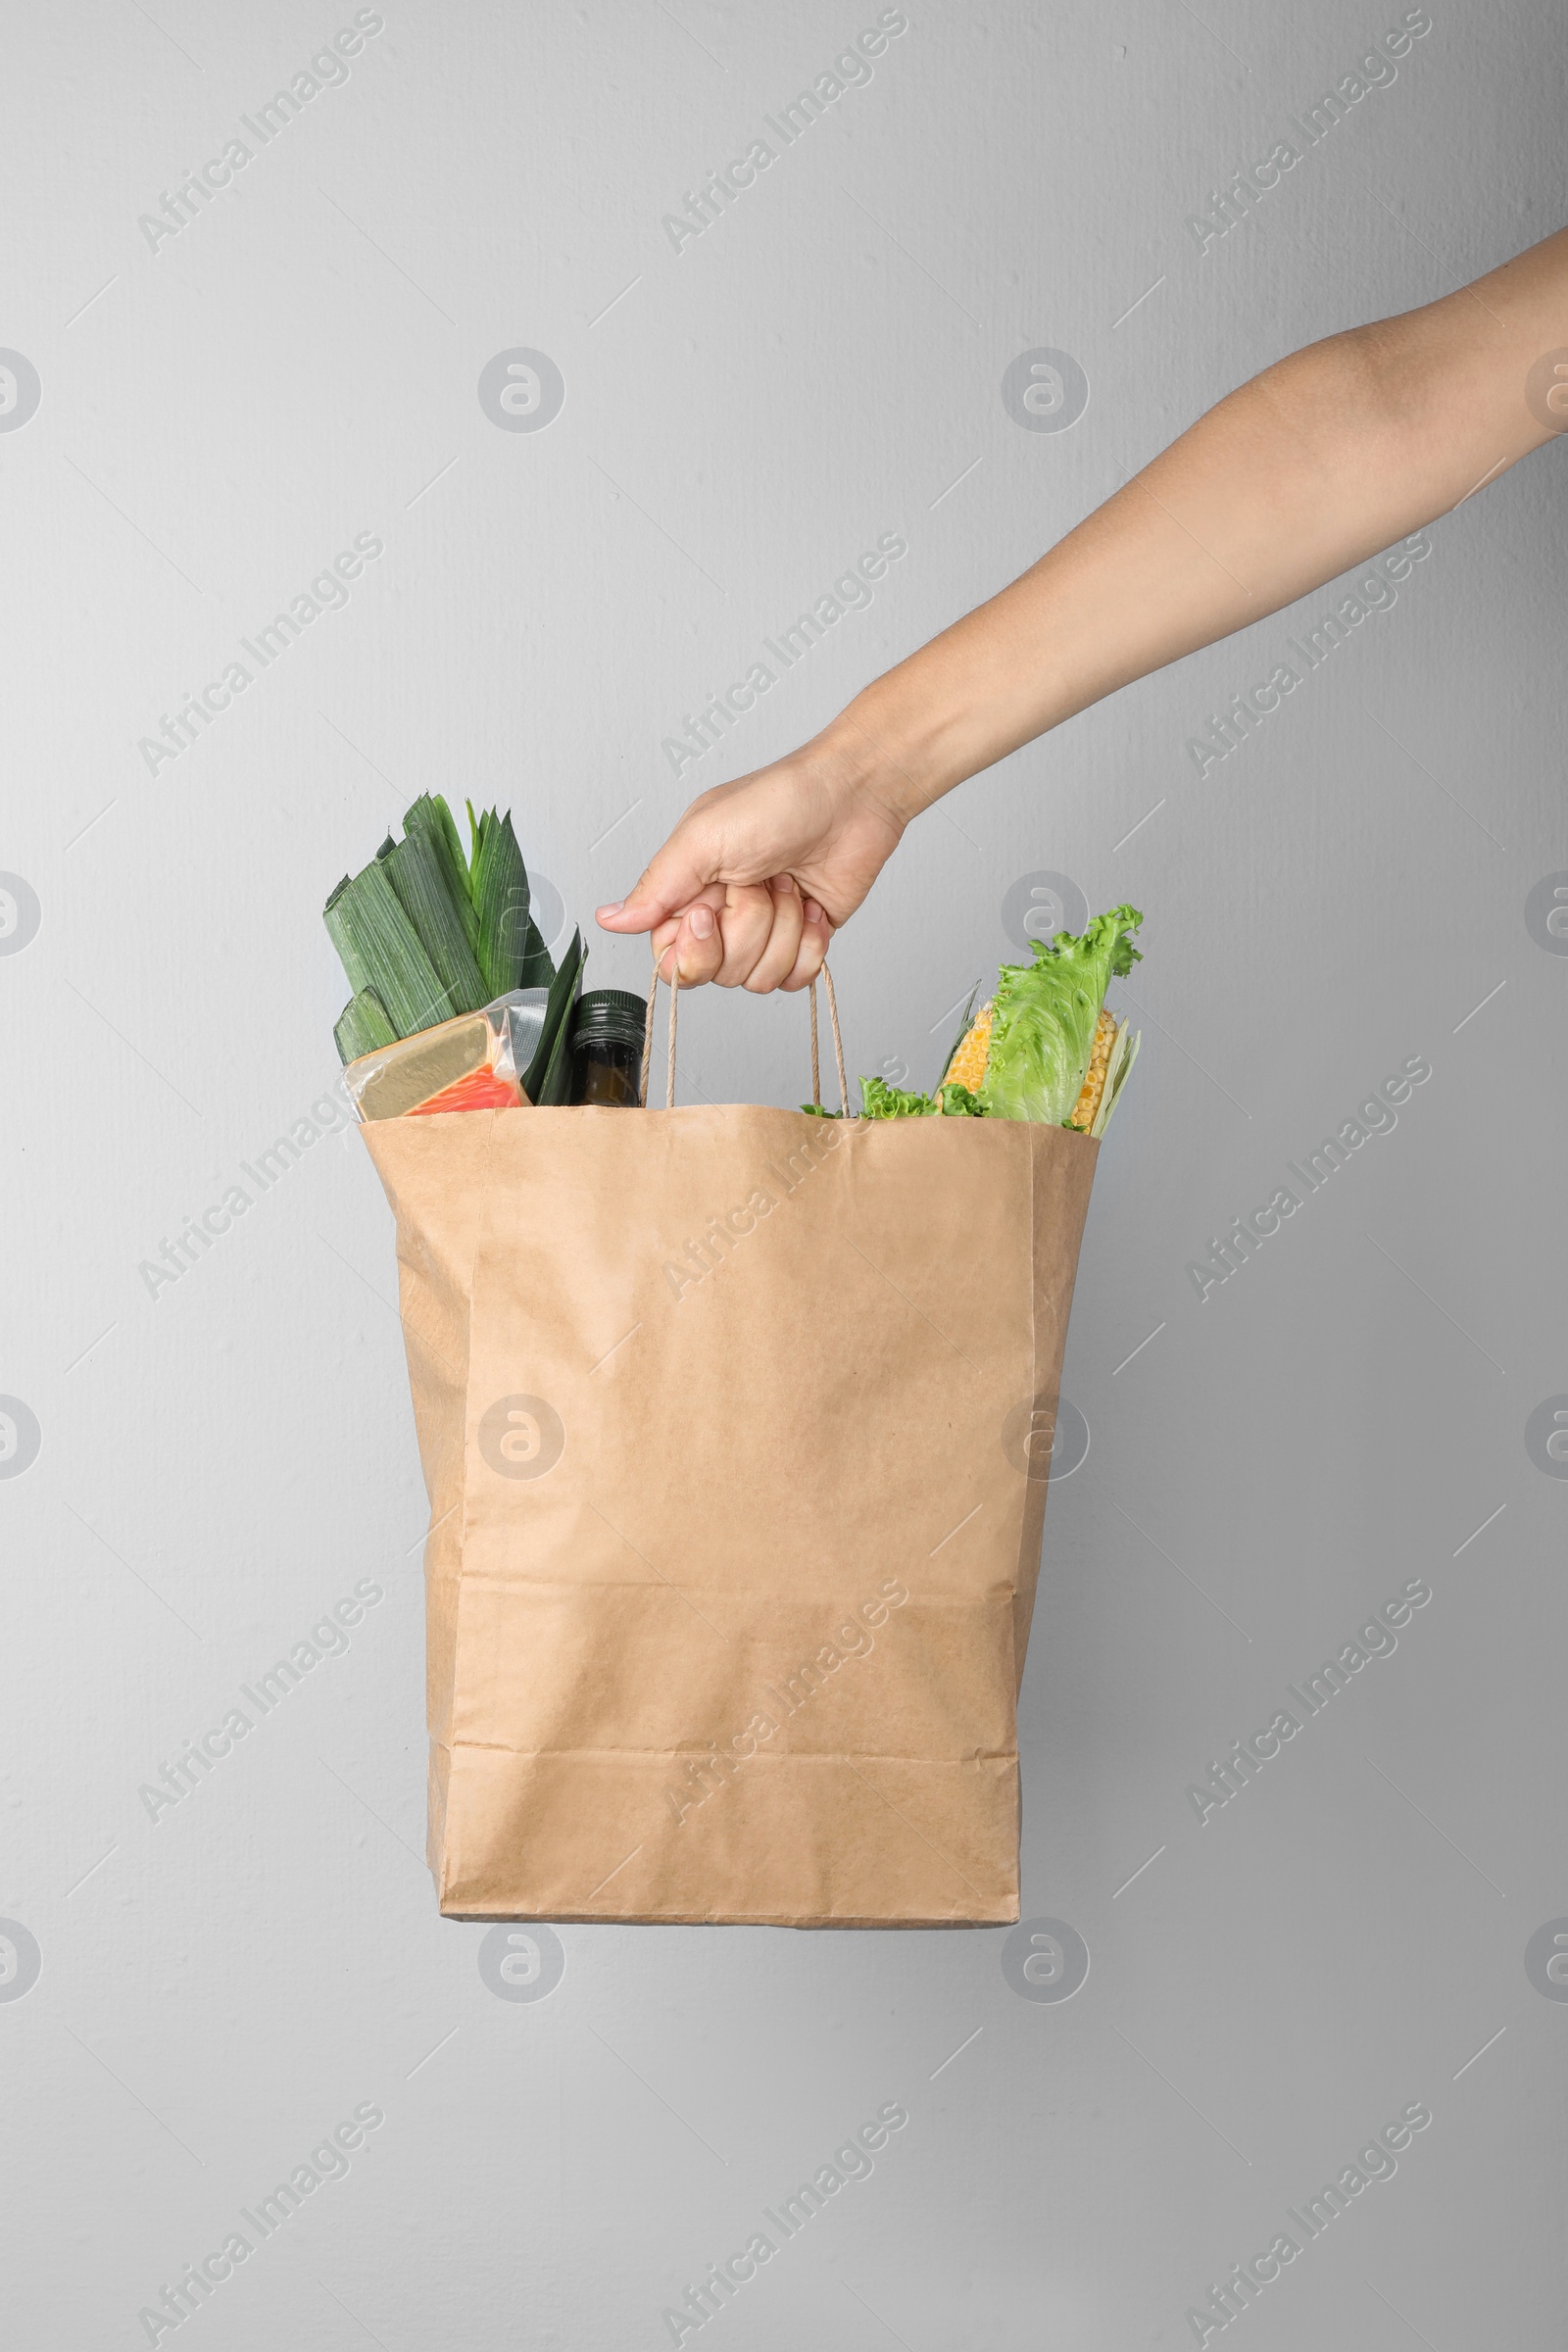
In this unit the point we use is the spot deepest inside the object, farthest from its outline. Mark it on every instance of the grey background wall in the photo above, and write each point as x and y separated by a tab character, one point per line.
194	1995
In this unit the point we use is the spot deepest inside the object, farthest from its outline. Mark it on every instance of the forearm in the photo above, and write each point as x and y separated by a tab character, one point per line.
1312	466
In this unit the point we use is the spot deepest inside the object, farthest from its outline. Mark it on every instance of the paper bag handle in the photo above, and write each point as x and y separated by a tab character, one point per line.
817	1075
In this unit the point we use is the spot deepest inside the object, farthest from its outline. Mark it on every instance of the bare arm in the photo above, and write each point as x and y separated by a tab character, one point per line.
1315	464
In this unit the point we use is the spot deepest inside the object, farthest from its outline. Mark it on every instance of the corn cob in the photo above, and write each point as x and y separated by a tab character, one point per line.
1093	1085
969	1064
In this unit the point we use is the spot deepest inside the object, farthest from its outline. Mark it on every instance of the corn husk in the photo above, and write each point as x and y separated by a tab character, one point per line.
966	1063
1092	1093
963	1033
1123	1054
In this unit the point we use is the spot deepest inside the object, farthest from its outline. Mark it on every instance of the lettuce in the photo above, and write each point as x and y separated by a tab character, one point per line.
879	1101
1044	1031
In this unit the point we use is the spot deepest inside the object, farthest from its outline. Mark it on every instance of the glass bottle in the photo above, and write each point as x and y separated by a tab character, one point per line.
607	1048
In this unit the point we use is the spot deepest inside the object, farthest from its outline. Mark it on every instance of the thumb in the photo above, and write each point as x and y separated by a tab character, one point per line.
682	868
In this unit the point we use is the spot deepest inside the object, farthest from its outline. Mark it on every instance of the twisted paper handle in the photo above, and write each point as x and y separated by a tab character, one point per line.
670	1075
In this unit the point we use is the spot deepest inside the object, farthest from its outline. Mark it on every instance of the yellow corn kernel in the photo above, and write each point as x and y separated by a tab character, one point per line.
1094	1086
969	1064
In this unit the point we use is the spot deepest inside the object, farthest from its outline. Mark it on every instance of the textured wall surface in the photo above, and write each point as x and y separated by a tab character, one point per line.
205	400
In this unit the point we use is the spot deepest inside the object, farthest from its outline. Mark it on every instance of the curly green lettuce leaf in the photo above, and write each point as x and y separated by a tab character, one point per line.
879	1101
1044	1031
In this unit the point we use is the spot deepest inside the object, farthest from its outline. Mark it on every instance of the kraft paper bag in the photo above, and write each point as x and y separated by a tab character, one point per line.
735	1424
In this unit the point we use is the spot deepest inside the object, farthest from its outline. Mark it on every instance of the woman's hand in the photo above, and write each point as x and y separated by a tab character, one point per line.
756	876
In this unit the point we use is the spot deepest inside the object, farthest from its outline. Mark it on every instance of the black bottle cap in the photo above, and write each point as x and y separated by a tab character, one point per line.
611	1016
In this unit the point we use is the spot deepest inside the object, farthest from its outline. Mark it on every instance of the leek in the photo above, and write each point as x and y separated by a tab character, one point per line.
548	1077
363	1027
382	950
414	869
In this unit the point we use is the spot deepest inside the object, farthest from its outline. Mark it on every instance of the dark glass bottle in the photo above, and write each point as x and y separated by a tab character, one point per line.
607	1048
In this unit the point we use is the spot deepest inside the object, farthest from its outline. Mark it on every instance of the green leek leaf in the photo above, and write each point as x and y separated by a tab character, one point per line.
432	817
552	1061
538	968
382	950
363	1027
416	870
501	897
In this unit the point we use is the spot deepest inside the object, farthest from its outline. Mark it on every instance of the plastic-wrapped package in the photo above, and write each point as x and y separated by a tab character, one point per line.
474	1062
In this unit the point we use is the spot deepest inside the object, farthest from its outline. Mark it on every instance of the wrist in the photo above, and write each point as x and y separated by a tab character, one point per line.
875	756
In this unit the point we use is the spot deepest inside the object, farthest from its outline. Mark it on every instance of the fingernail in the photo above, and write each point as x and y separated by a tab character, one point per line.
700	919
784	883
613	908
813	913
